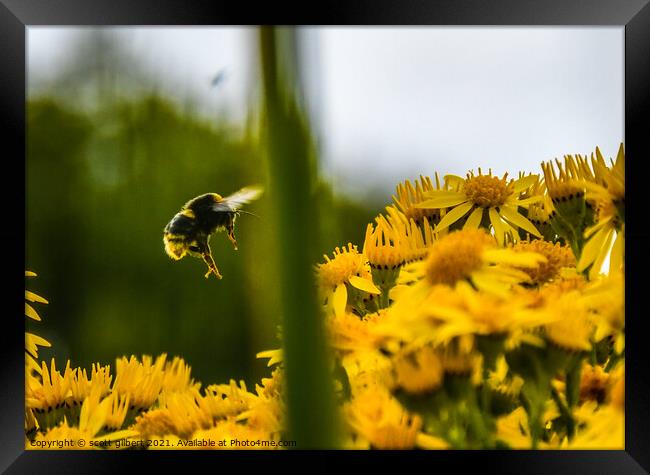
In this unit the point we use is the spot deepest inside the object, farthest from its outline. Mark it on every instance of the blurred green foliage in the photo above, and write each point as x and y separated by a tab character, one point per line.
101	185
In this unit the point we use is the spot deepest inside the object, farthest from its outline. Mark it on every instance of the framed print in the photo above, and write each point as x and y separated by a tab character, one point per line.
380	229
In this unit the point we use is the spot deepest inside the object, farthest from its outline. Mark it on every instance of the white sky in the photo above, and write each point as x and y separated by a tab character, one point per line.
392	103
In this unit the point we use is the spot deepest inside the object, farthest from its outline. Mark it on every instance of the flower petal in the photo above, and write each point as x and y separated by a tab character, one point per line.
444	201
275	356
499	228
602	255
453	215
524	182
599	225
454	180
513	200
31	342
592	249
616	257
518	220
485	282
474	219
364	284
31	313
32	297
340	299
508	256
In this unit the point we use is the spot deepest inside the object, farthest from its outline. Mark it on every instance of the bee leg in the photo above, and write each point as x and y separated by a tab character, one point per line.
231	234
212	267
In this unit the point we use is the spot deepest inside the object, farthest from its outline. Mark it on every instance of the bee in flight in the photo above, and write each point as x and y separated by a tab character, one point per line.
189	230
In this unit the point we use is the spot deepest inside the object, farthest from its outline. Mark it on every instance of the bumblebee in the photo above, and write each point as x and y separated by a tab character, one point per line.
190	229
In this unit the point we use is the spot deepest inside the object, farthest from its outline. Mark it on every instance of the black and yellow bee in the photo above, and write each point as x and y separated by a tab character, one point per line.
189	230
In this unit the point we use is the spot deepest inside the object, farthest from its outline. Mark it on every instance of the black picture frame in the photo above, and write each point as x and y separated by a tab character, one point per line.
633	15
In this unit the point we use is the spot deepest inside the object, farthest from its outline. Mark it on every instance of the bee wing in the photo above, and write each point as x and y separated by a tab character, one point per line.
238	199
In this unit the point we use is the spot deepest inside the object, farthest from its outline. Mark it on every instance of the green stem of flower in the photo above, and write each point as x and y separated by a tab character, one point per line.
566	413
312	420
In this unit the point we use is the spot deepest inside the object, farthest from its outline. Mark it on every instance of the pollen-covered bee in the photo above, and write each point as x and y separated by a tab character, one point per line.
189	230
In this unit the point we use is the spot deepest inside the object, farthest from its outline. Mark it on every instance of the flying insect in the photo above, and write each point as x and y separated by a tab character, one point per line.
190	229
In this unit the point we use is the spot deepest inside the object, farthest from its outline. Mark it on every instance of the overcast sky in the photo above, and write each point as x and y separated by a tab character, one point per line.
396	102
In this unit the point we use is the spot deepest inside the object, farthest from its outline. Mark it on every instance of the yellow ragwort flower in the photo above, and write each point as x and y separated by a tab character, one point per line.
472	255
557	256
419	371
348	270
408	197
93	418
378	418
487	197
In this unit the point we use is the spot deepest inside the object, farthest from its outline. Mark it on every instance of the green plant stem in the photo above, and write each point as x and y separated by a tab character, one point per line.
566	413
310	395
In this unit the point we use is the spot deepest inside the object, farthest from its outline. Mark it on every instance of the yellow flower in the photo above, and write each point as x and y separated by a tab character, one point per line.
264	414
140	381
182	413
117	411
513	429
348	333
502	382
366	370
271	387
51	390
275	356
606	299
379	419
472	255
572	326
338	277
93	418
224	400
409	197
81	387
418	372
415	240
599	241
609	182
487	197
568	183
557	256
177	376
594	383
32	342
382	246
604	429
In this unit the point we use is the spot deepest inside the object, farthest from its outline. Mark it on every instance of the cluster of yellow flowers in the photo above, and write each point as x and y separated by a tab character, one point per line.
480	313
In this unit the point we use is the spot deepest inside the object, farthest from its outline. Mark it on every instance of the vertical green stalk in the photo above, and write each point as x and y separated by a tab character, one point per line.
291	164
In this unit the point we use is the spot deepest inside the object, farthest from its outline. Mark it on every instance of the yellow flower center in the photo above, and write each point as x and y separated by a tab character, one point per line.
486	190
456	256
557	256
346	263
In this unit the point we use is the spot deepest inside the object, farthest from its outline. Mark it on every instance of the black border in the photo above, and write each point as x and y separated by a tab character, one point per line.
15	15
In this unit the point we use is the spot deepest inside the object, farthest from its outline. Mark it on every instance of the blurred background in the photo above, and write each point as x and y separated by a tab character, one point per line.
127	124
